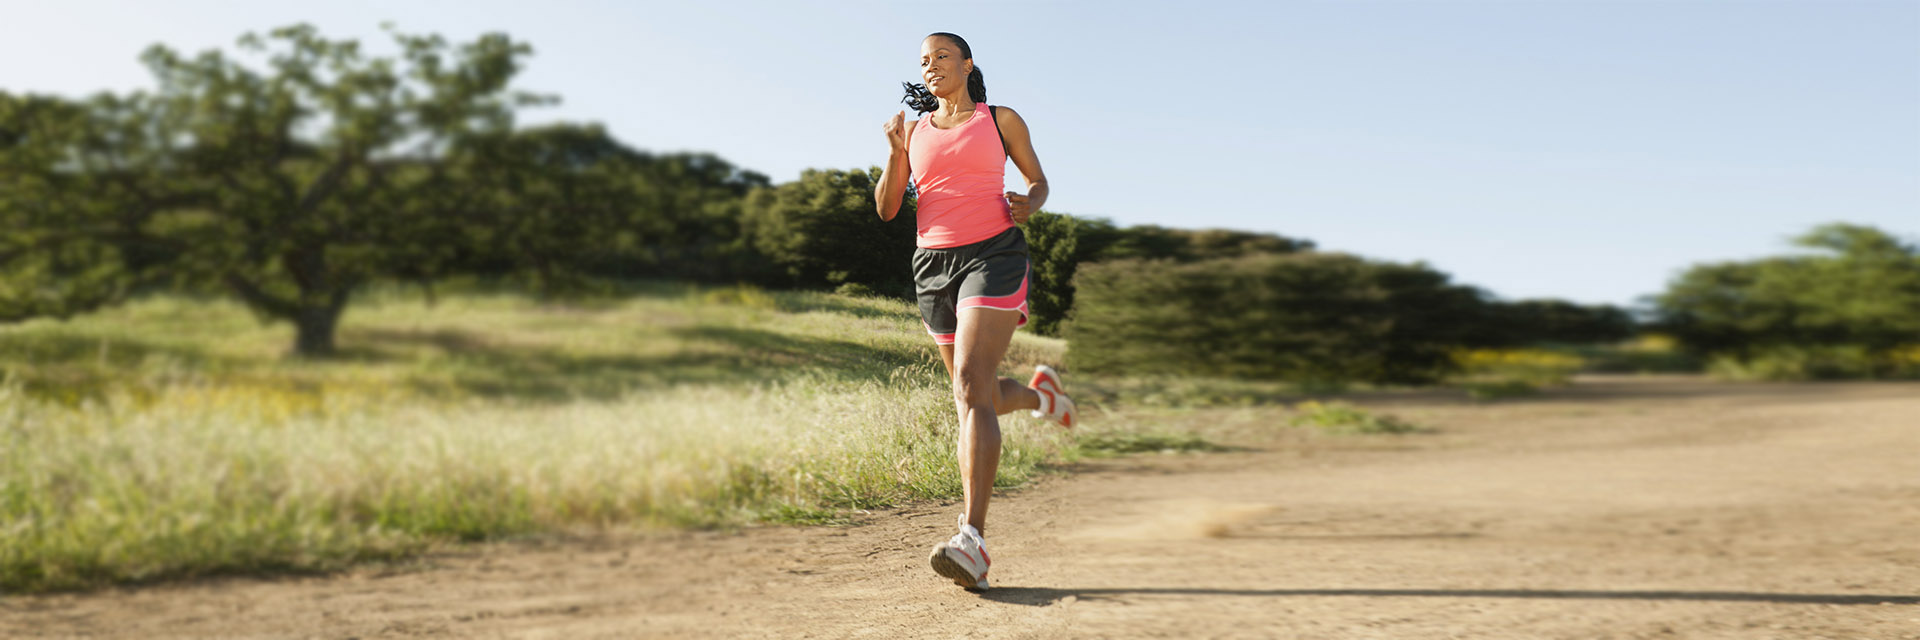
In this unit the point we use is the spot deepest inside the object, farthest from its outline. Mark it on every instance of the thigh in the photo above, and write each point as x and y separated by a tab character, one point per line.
982	342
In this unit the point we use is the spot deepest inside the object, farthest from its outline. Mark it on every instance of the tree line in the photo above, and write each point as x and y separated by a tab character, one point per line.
291	185
1848	307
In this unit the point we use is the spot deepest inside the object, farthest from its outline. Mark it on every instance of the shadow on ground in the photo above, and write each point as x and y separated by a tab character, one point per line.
114	352
1041	596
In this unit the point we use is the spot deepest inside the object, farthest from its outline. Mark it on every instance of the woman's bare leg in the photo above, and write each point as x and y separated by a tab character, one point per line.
1014	395
978	347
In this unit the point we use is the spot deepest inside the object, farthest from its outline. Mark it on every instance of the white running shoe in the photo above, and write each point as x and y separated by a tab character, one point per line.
1054	404
963	557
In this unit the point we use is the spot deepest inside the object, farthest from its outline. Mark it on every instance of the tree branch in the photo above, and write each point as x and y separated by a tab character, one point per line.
324	186
260	299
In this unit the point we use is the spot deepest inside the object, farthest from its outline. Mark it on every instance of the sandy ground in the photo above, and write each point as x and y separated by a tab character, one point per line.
1618	508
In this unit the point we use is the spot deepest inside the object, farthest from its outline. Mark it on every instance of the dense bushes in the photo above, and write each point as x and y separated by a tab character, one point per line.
820	232
1851	311
1060	243
1306	317
1532	322
1816	362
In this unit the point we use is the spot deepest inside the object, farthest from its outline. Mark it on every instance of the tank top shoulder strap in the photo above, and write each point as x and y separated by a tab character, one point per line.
994	115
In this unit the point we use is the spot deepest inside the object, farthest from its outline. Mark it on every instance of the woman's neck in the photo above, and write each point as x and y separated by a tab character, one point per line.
950	107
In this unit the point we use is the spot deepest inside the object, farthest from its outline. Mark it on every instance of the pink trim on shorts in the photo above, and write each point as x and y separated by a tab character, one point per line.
938	338
1017	301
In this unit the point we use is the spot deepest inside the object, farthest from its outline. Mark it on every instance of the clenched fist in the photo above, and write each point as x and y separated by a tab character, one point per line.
1019	207
896	129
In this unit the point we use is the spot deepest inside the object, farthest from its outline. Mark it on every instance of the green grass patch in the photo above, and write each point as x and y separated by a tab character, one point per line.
1114	443
1340	417
1500	389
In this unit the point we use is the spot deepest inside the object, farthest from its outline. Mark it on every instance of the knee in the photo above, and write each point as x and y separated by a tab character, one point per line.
974	388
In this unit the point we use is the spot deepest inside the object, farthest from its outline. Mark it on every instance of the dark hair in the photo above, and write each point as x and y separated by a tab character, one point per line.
922	100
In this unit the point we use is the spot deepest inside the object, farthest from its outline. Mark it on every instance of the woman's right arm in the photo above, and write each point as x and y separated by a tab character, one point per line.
893	179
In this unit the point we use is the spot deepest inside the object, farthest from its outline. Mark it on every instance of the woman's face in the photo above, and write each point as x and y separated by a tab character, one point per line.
942	68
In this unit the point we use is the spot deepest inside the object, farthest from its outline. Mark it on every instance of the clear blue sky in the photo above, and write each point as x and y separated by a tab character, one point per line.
1581	150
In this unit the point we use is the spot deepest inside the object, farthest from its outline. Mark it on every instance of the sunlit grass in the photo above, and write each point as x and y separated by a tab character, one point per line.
171	437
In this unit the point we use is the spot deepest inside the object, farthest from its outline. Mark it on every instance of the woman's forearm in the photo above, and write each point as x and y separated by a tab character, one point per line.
1037	194
892	186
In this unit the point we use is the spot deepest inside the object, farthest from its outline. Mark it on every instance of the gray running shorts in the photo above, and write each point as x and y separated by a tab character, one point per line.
991	273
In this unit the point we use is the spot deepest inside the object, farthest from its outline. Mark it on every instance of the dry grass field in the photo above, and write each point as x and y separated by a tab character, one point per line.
1618	507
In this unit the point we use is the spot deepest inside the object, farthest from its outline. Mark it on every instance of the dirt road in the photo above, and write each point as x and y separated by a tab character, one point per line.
1619	508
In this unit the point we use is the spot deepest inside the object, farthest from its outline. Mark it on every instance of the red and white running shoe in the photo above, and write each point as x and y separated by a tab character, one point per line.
1054	404
963	557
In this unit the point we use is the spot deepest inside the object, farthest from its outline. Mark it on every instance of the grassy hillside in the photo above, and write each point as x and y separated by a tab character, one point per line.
170	437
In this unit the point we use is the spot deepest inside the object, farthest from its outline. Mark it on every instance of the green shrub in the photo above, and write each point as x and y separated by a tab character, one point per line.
821	231
1340	417
1500	389
1536	367
1647	353
740	295
855	289
1306	317
1492	374
1816	362
1125	442
1840	312
1059	243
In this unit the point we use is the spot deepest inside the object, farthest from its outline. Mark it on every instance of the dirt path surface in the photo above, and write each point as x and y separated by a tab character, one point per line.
1618	508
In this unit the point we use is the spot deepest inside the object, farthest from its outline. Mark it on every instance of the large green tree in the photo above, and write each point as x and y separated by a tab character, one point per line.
79	183
289	183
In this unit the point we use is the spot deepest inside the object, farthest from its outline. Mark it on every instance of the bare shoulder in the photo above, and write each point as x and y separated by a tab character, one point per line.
1006	116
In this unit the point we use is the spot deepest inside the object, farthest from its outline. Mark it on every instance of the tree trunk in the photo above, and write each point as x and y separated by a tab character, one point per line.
317	319
315	326
315	314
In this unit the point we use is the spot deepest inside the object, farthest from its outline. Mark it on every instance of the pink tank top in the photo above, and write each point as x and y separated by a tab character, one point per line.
961	176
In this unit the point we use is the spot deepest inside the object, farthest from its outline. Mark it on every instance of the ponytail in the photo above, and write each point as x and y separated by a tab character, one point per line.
921	100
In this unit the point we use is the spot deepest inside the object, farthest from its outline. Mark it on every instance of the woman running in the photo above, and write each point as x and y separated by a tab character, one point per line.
970	269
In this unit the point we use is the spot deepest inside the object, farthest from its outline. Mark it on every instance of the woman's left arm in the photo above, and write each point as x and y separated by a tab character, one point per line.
1013	130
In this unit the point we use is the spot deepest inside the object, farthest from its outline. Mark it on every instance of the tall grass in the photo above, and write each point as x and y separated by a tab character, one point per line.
169	438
